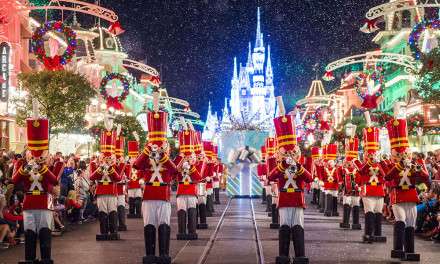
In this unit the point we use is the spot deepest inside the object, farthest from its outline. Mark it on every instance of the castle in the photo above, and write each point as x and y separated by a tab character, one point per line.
251	105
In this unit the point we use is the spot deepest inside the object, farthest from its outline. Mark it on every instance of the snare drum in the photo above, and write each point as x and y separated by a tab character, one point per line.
201	189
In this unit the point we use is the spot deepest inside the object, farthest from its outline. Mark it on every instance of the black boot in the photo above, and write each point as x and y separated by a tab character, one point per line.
217	195
30	247
181	225
328	205
263	196
131	207
150	244
314	198
345	217
269	205
378	228
164	244
409	245
398	237
369	225
103	227
275	220
322	199
318	198
113	225
209	205
335	206
137	206
284	244
192	224
202	217
356	225
45	236
121	219
298	244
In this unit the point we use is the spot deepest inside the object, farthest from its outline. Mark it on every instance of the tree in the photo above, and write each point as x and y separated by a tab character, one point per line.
429	77
62	96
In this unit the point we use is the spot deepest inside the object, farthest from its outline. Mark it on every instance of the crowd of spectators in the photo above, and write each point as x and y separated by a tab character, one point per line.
73	200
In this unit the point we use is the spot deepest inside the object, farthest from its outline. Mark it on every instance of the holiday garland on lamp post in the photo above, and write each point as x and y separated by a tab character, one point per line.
56	62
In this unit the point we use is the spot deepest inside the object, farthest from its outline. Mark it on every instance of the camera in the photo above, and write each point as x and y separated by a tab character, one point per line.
293	168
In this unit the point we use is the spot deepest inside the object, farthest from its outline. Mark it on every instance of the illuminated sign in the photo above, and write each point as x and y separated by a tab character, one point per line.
4	71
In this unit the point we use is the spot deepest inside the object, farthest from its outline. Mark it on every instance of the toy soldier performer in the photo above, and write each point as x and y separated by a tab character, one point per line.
208	175
372	181
106	175
38	182
316	181
201	186
404	177
331	181
351	180
134	181
188	177
291	177
120	165
159	172
271	163
218	171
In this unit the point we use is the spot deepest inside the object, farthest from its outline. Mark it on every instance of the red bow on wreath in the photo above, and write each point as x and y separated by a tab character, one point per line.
53	64
324	126
116	29
370	26
328	76
114	102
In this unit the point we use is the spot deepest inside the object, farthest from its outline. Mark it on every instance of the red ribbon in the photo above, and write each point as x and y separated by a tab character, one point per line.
114	102
115	28
155	80
53	63
324	126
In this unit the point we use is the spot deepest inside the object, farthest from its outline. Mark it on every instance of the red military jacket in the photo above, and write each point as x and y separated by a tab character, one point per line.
330	177
106	181
271	164
188	180
262	173
404	183
291	189
372	180
158	177
37	187
208	171
121	171
133	176
351	180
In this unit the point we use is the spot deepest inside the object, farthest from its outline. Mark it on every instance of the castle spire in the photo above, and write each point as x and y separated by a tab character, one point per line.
249	59
269	72
235	77
259	36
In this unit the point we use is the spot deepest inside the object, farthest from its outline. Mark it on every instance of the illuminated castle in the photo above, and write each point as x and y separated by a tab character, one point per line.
252	101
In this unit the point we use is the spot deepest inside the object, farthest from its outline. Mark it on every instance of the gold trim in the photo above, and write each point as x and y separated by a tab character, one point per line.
286	137
42	141
157	133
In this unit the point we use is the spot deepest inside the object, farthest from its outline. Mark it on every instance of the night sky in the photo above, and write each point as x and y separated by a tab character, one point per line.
194	42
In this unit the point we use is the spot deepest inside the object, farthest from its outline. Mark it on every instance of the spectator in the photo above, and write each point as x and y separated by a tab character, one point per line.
7	230
66	182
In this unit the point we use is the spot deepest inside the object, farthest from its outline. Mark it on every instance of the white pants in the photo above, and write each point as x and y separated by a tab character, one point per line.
184	202
373	204
334	193
121	200
107	203
36	219
351	200
156	212
268	190
134	193
210	191
291	216
201	199
405	212
216	184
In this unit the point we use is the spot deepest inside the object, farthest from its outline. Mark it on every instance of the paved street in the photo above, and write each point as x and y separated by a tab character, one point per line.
234	241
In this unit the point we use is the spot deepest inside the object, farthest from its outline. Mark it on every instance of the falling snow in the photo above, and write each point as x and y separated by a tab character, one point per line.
194	42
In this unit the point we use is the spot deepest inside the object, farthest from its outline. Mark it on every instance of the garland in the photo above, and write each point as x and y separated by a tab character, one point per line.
369	101
415	121
56	62
416	33
114	102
